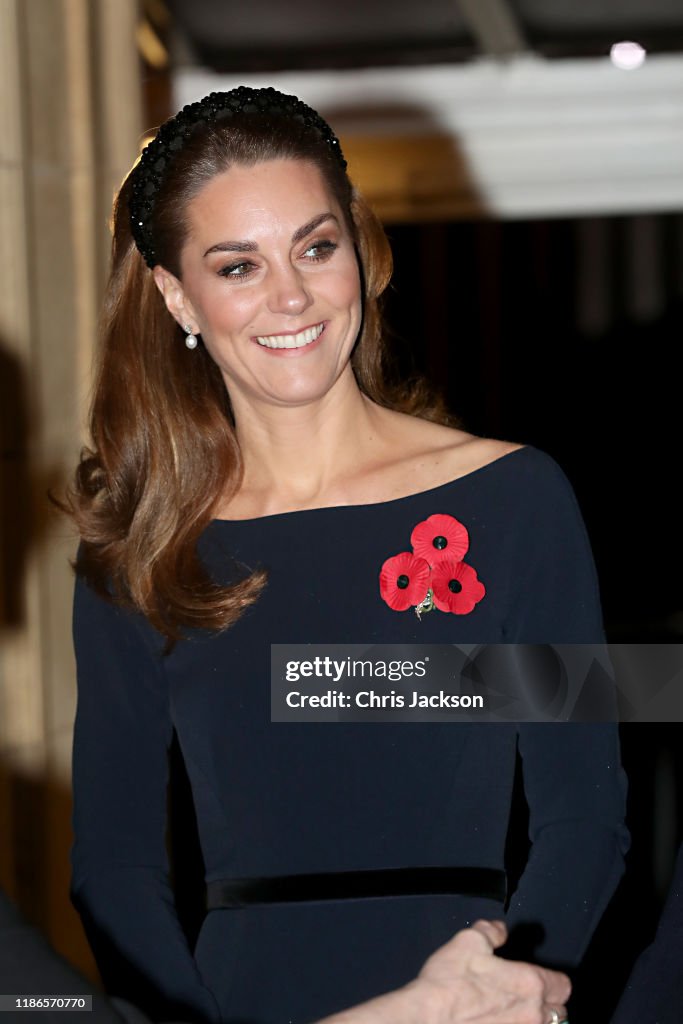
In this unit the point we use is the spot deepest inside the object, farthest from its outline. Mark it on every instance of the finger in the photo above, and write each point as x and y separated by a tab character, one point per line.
471	945
558	987
527	981
494	931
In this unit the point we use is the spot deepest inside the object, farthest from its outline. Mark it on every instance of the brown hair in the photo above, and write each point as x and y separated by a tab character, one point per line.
164	446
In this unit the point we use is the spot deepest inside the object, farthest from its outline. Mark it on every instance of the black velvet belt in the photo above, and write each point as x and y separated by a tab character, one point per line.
488	883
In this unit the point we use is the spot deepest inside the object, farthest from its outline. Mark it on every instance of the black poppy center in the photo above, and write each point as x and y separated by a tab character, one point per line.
440	543
403	581
455	586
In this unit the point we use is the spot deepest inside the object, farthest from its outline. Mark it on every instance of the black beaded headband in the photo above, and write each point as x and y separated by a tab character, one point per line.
217	108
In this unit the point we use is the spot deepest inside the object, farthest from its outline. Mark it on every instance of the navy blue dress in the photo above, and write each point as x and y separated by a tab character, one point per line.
276	799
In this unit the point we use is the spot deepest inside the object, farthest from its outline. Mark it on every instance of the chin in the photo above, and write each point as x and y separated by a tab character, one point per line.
306	389
300	397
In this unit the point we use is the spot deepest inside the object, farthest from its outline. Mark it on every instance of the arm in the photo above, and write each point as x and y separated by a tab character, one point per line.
120	866
573	782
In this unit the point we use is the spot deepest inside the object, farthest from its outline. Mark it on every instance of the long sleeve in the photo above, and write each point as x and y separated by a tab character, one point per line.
120	775
574	786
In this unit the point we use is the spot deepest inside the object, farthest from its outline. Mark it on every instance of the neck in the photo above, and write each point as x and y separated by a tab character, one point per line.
295	456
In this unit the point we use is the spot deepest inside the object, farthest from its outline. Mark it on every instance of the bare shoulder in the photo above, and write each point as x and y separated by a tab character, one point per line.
430	454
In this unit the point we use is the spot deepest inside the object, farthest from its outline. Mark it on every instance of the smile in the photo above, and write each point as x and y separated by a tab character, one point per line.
299	340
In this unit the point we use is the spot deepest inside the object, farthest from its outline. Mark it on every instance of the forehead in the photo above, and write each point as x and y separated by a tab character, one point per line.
272	196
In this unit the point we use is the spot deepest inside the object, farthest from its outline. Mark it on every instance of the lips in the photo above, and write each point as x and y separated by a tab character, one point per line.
298	340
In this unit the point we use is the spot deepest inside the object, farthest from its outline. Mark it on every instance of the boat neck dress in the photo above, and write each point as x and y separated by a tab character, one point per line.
280	799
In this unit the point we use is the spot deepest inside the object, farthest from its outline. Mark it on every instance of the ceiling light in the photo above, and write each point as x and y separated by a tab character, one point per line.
627	56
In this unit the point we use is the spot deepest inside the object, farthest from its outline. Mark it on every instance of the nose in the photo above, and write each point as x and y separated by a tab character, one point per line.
288	292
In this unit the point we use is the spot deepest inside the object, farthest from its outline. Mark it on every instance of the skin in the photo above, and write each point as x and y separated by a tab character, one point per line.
309	438
464	983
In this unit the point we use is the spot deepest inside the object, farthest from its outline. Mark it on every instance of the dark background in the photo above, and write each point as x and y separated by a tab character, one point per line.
490	313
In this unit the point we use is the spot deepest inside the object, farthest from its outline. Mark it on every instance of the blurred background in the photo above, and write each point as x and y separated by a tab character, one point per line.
526	157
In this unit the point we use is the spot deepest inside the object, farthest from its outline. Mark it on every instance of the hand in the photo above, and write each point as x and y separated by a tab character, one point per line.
464	983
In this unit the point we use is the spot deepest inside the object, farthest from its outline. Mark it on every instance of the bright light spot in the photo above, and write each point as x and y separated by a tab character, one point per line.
627	56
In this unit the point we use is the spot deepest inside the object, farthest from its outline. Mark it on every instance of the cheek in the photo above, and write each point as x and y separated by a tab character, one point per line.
344	290
223	312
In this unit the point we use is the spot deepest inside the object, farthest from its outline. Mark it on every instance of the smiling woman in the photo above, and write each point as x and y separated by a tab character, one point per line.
258	484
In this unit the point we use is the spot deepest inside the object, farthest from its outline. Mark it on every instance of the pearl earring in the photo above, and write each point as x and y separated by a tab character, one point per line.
190	340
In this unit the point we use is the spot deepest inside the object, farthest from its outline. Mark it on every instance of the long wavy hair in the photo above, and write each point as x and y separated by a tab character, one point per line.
164	453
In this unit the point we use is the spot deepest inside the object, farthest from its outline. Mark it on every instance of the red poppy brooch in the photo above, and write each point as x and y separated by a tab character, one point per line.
433	575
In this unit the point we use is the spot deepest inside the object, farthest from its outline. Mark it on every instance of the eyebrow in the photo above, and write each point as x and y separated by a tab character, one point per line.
298	236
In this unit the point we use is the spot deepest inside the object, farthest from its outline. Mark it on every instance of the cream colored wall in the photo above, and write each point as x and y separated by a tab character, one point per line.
70	121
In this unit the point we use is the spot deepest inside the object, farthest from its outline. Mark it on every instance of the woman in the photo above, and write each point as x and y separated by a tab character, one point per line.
246	489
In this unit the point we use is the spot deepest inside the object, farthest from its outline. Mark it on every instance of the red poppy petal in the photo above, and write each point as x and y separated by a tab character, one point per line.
440	537
471	592
415	573
397	601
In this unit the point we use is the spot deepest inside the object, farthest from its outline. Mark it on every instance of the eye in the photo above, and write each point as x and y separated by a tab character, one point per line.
320	250
241	269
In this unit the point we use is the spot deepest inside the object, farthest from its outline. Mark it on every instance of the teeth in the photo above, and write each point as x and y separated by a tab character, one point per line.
291	340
